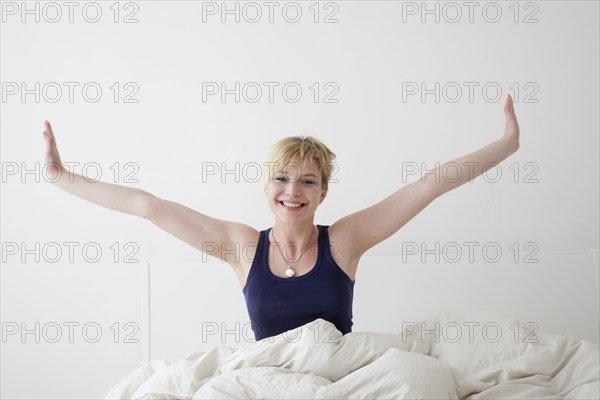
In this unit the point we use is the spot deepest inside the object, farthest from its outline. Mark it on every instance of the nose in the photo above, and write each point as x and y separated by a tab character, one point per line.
292	188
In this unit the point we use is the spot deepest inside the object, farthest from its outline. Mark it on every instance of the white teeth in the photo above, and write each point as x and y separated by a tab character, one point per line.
292	205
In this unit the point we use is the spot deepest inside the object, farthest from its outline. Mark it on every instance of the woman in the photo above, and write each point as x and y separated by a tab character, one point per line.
296	272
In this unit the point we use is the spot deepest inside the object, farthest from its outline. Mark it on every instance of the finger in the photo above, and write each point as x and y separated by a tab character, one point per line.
507	104
47	127
512	111
48	132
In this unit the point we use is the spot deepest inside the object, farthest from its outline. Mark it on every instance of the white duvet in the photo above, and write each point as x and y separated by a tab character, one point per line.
468	356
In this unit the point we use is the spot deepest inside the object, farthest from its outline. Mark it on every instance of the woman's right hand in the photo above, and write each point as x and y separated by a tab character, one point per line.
116	197
52	158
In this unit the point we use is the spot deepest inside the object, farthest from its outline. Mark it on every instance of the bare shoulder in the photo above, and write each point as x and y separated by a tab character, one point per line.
243	236
342	236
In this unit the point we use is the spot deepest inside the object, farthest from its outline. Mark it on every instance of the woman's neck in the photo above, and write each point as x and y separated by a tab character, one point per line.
294	235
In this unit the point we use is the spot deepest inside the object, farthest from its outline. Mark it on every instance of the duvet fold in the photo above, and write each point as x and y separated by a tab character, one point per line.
443	357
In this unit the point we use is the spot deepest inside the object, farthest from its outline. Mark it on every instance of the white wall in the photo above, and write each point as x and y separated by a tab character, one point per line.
170	132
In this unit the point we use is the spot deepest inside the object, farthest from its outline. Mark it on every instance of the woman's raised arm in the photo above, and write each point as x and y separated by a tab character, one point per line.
392	213
116	197
474	164
215	237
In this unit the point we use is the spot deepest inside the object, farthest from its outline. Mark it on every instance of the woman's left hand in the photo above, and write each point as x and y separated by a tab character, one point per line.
511	128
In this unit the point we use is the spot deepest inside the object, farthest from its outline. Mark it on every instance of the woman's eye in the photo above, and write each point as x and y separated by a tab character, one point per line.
281	178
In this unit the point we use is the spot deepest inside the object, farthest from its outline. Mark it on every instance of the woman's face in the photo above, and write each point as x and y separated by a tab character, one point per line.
299	183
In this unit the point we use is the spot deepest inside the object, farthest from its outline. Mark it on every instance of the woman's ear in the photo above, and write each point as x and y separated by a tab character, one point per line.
323	195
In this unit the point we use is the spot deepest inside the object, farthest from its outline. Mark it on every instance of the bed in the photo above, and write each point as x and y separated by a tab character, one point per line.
464	356
530	349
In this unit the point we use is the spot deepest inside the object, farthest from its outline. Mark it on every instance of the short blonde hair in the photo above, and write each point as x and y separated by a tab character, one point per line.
299	148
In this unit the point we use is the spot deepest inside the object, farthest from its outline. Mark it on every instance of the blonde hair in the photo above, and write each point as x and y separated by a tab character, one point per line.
299	148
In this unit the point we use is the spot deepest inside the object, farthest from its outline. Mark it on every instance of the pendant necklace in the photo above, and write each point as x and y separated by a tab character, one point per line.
289	272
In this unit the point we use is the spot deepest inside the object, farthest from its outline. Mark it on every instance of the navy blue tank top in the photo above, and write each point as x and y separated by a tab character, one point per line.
277	304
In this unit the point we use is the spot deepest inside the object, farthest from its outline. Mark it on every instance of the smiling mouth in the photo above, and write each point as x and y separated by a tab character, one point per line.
292	208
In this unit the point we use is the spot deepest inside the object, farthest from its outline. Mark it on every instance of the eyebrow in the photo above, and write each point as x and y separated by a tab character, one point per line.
281	172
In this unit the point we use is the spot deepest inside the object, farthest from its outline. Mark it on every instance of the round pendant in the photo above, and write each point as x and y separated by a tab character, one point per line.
289	272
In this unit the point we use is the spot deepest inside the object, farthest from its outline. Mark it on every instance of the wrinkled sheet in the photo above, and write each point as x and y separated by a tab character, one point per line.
448	356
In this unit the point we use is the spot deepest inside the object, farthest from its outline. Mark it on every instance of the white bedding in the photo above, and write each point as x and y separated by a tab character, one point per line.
316	361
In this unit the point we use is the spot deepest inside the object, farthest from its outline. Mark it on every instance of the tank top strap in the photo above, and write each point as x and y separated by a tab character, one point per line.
328	256
258	257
